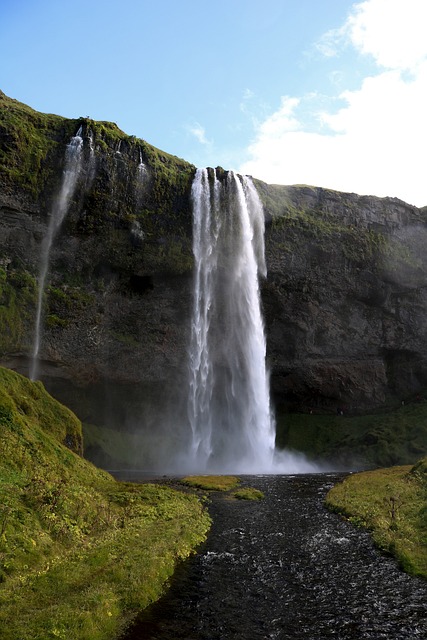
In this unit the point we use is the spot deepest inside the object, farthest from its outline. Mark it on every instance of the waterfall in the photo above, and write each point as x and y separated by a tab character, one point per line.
92	159
141	179
142	169
72	166
228	406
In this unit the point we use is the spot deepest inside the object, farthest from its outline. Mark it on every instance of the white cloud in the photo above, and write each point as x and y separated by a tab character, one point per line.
199	133
329	44
392	31
374	144
248	94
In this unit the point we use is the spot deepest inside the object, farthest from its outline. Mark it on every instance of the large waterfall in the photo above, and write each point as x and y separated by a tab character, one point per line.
229	408
72	167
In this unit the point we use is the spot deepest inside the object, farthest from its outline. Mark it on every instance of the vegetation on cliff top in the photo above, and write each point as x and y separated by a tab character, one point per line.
129	192
80	553
392	504
27	138
331	220
129	221
212	483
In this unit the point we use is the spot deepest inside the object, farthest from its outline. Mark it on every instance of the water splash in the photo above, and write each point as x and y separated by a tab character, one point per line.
229	406
73	161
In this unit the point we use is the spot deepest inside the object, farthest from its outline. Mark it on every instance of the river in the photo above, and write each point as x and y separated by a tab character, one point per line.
286	568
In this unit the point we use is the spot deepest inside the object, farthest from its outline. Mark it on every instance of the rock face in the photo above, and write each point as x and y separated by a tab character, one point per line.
345	299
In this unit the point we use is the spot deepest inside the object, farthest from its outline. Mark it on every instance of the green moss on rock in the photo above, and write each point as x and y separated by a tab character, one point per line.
27	139
17	305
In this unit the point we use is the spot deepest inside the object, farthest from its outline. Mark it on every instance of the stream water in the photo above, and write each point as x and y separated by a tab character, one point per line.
286	568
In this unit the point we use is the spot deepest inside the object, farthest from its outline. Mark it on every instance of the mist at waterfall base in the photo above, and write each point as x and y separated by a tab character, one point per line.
232	427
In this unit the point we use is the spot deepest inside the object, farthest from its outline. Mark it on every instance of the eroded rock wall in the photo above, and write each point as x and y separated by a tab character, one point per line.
345	298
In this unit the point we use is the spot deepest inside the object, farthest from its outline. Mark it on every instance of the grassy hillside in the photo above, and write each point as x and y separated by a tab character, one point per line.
392	503
80	553
398	436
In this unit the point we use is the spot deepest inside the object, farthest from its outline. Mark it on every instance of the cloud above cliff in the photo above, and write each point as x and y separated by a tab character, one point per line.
330	92
371	138
199	133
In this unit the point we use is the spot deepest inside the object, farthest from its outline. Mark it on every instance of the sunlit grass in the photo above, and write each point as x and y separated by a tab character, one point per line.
392	504
223	483
248	493
212	483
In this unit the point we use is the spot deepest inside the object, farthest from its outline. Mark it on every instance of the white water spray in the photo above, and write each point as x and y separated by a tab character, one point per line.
229	408
73	161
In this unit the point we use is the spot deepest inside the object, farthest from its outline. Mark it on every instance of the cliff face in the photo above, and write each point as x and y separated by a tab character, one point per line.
345	298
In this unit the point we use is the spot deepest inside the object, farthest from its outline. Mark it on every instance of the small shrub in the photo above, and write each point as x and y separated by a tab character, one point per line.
212	483
248	493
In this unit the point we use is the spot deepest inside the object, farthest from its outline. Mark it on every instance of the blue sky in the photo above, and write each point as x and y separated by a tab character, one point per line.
323	92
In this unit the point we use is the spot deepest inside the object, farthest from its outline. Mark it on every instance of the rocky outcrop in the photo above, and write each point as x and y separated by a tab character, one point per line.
345	299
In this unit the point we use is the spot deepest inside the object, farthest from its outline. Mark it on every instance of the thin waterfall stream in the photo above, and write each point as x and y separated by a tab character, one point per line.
72	167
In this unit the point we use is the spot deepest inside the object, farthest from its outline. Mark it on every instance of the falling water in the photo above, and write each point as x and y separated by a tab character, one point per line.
229	406
92	159
142	169
73	159
141	180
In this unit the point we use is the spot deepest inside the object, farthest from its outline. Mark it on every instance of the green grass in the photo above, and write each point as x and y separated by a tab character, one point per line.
211	483
29	138
392	504
223	483
248	493
80	553
17	305
32	145
294	217
382	439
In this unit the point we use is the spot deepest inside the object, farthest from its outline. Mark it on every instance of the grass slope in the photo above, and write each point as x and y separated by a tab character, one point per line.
80	553
392	504
382	439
